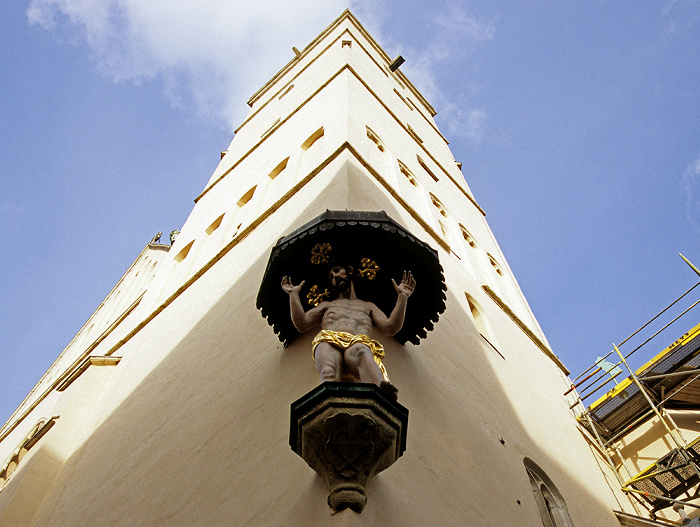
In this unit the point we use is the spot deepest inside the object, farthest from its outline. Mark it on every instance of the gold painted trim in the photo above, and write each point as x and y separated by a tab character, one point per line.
421	145
394	194
245	232
284	89
264	138
349	16
500	303
235	241
398	121
72	368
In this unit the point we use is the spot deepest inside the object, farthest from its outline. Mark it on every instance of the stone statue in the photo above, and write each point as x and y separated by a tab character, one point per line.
344	347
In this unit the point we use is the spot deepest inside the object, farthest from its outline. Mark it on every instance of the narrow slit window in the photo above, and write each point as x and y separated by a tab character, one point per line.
184	252
425	167
271	129
285	92
438	205
278	169
245	198
215	224
414	134
404	100
408	174
318	134
375	139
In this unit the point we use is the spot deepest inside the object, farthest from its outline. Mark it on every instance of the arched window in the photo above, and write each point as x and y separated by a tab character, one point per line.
438	204
467	237
375	139
27	443
215	224
495	265
184	252
549	500
477	317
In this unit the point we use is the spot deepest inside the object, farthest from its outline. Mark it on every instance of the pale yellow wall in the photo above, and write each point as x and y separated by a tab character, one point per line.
195	423
191	427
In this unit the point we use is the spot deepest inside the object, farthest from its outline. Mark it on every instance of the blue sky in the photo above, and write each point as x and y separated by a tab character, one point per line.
577	123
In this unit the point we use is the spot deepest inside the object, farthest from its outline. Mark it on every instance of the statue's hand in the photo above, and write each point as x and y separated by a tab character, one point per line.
407	285
289	287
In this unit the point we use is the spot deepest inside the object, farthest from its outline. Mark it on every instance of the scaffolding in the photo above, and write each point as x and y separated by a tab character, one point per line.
669	381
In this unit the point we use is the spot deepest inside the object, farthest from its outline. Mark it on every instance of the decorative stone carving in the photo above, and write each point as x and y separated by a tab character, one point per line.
347	433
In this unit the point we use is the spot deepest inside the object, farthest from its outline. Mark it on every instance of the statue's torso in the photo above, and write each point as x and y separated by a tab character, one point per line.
349	315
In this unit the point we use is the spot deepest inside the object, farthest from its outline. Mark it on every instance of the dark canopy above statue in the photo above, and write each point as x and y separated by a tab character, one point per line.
377	247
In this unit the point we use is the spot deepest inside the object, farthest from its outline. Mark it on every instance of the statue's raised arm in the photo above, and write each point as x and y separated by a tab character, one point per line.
302	320
392	324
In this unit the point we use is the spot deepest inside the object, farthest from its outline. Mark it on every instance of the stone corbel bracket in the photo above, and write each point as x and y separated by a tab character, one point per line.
347	433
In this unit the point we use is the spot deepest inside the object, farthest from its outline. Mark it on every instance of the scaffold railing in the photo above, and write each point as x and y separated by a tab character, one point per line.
669	381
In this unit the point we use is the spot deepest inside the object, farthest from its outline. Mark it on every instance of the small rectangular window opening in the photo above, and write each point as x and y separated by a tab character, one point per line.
184	252
245	198
312	139
375	139
438	205
467	237
215	224
278	169
495	265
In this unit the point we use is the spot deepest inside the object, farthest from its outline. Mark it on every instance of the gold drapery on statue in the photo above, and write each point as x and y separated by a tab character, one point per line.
344	340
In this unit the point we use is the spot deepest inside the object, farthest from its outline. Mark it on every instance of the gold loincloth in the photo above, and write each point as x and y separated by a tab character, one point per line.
344	340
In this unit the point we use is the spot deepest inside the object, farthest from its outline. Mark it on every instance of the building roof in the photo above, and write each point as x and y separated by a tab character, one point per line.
671	377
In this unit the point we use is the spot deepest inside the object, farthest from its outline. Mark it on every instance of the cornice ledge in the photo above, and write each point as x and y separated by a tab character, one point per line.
508	311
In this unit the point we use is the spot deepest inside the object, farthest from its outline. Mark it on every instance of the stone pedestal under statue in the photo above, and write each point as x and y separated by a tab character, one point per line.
348	432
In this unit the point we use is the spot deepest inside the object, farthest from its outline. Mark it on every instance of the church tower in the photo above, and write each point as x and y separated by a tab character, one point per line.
172	404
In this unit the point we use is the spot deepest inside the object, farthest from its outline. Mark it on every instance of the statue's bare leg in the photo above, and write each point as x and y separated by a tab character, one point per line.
329	362
360	362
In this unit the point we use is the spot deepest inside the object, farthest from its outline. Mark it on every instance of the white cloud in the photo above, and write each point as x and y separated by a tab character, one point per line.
455	36
690	181
213	53
463	121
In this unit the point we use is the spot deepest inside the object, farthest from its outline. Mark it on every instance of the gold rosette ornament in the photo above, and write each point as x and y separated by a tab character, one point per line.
368	269
319	253
315	297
